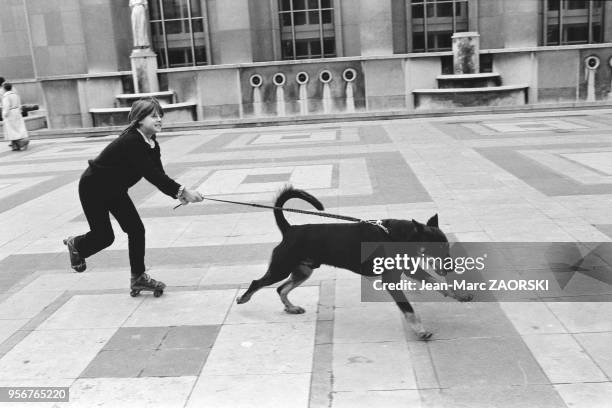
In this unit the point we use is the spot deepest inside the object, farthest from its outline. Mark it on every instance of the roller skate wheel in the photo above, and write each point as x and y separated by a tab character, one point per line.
158	293
134	292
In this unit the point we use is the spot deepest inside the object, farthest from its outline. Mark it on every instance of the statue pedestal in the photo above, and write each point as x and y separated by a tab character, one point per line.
144	70
466	53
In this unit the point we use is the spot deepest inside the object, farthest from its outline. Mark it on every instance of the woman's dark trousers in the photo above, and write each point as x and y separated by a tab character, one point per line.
98	205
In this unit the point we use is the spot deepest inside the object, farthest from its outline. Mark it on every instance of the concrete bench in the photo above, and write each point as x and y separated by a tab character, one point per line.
173	113
506	95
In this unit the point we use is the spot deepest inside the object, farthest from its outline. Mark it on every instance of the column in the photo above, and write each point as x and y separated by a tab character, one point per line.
376	27
606	25
233	32
520	23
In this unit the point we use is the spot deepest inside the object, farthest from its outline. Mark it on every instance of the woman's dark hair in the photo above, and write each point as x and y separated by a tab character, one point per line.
7	86
143	108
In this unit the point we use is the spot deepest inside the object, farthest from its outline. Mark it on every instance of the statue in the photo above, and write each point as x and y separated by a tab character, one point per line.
139	23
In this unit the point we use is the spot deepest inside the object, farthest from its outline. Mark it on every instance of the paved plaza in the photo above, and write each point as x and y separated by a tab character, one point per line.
532	177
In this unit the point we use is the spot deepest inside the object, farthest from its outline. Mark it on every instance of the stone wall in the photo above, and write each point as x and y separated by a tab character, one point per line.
314	87
603	74
381	84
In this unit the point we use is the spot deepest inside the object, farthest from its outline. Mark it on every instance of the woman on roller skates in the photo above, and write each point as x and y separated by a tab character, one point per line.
103	190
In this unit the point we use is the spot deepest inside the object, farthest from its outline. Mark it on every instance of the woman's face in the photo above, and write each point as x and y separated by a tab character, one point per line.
151	124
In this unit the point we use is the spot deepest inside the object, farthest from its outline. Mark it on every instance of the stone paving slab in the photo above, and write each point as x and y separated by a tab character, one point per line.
183	308
597	347
563	359
518	396
175	362
8	327
245	391
92	312
190	337
372	366
391	399
581	317
117	363
579	395
130	392
495	178
136	338
532	318
25	305
454	320
270	348
374	322
477	362
51	354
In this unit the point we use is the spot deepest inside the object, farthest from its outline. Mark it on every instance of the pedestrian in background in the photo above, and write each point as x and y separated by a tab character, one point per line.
14	126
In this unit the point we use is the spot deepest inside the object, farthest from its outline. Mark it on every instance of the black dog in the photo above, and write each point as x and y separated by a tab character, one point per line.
306	247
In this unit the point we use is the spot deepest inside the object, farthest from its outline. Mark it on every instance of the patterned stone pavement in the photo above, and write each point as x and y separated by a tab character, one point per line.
540	177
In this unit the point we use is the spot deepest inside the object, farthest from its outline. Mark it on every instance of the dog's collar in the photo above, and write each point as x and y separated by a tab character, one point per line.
379	224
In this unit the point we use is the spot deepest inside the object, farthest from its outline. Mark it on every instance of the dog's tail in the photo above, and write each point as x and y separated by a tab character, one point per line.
286	194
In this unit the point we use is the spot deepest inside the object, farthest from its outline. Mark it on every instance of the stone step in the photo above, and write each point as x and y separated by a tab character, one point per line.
481	80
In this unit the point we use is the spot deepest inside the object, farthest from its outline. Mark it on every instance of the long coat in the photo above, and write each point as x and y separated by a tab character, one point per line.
13	123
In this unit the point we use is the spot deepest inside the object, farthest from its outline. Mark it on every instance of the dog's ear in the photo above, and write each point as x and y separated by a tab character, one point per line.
433	221
418	226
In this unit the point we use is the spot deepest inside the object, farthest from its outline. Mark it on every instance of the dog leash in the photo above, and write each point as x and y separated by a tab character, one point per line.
377	223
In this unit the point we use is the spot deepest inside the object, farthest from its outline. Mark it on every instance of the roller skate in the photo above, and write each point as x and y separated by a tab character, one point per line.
76	261
145	282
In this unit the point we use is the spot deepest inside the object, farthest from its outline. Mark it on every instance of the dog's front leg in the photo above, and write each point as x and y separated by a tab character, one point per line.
404	305
411	317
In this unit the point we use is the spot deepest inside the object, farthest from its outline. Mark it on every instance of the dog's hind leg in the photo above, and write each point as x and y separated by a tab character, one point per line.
298	276
278	270
404	305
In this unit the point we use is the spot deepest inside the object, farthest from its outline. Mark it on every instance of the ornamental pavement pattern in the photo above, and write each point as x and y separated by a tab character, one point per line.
526	178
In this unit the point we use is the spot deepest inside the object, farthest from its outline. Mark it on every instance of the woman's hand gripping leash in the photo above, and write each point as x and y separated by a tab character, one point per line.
186	196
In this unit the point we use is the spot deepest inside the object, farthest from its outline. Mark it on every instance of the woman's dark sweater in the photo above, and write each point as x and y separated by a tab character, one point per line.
125	161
